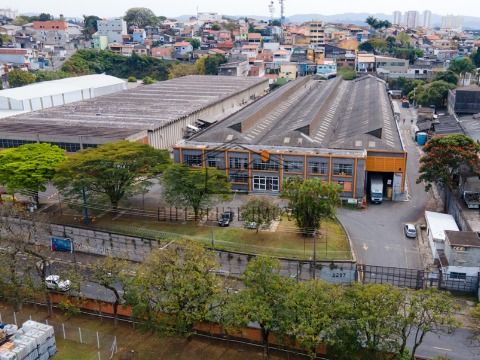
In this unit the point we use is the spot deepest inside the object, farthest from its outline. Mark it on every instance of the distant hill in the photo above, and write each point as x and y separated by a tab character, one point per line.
470	22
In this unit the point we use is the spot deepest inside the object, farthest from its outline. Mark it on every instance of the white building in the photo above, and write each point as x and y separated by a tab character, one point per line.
114	29
462	254
437	224
208	17
9	13
411	19
49	94
397	18
452	22
427	19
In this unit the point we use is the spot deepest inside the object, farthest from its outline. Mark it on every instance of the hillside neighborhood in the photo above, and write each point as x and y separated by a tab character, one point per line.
239	187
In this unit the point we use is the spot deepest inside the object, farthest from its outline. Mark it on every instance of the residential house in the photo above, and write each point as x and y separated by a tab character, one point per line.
365	63
237	68
288	71
254	38
183	50
9	29
164	52
281	56
250	51
99	42
53	32
389	65
315	33
140	49
114	29
461	254
327	68
17	56
139	36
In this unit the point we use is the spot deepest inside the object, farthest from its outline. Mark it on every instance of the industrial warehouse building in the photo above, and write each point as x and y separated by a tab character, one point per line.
160	114
53	93
338	131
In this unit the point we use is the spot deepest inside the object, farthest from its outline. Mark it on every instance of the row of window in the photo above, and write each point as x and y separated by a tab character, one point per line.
69	147
236	163
271	183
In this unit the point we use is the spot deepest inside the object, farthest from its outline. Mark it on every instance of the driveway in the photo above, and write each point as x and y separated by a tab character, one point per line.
377	232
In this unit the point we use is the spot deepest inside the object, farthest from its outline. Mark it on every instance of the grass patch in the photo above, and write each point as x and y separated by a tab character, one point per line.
71	350
286	241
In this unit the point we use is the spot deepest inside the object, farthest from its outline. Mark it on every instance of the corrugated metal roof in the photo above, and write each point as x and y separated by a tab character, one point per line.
439	222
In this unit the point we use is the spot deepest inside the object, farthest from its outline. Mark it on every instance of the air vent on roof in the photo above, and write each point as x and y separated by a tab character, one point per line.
377	133
358	143
286	140
371	144
229	137
300	141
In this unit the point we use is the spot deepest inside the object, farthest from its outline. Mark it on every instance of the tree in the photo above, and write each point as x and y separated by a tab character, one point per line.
110	273
113	169
447	76
90	26
179	70
17	78
259	211
209	65
5	39
366	321
147	80
423	312
347	73
45	17
29	167
311	200
434	93
476	58
311	313
262	300
195	43
376	45
186	186
42	75
461	66
174	288
216	27
404	39
140	17
443	159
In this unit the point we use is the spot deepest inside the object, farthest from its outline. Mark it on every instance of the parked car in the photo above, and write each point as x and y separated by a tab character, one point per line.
53	282
226	219
410	231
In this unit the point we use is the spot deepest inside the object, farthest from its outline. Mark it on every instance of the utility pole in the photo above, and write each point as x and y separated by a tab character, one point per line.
86	219
314	255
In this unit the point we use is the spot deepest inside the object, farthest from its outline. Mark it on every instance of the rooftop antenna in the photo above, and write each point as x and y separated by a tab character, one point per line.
282	11
271	7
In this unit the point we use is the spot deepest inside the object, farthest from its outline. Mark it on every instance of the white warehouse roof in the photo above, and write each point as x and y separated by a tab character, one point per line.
438	223
53	93
54	87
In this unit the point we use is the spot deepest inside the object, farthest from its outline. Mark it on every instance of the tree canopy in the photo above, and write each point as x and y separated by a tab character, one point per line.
194	187
113	170
140	17
434	93
461	66
259	211
90	26
17	78
378	24
311	200
261	301
209	65
476	58
447	76
174	288
444	158
29	167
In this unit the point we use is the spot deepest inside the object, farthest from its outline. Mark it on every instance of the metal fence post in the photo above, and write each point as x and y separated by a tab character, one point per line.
63	329
15	318
80	334
98	341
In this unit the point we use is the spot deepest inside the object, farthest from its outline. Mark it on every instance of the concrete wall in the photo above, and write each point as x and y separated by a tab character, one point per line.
136	248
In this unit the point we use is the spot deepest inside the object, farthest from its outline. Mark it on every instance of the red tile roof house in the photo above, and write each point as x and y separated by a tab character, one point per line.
183	49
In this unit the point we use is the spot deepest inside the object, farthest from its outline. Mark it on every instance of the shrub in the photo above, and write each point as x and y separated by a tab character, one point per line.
132	79
147	80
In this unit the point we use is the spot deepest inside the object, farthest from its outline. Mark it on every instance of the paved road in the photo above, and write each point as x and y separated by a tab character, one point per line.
456	346
377	232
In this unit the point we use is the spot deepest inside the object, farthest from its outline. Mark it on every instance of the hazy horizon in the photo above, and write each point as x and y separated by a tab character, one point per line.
244	7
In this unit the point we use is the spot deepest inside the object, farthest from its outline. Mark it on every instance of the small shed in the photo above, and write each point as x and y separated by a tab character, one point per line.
437	224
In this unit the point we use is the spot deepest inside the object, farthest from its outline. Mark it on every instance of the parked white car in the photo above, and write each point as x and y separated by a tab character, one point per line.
53	282
410	231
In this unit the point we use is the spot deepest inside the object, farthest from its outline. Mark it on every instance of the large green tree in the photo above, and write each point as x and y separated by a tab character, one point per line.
29	167
366	322
263	300
434	93
447	76
311	201
444	157
476	58
174	288
140	17
209	65
461	66
90	26
185	186
17	78
423	312
310	314
260	211
113	170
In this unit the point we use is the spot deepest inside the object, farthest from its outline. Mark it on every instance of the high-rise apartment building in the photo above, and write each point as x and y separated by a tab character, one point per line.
427	19
9	13
452	22
397	18
114	29
411	19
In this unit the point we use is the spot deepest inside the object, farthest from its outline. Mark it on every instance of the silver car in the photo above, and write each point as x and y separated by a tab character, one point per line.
53	282
410	231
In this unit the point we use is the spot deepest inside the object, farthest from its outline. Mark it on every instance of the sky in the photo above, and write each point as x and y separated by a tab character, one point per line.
174	8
